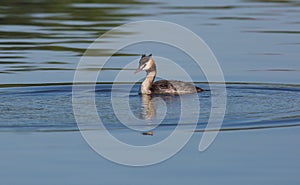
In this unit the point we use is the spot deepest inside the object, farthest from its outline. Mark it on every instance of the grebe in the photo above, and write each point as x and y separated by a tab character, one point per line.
174	87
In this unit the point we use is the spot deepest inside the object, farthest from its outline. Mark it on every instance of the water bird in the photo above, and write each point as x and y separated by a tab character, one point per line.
168	87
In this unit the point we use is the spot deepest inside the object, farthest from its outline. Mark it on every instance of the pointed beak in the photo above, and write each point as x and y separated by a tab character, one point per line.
137	70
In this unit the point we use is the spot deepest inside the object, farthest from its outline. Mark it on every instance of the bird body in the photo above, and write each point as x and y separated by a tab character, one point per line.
173	87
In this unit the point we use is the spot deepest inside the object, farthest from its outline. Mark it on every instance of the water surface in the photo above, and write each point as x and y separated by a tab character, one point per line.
254	40
42	42
49	108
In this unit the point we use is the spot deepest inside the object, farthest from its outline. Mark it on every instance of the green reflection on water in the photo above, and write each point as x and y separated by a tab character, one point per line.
53	27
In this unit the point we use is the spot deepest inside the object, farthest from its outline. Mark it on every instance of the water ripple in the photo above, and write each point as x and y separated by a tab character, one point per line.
46	108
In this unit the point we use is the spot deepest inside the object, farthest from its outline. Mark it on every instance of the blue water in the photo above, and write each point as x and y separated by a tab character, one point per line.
49	108
256	43
253	40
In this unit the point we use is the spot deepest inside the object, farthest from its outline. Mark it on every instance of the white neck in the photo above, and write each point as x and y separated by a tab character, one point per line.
147	83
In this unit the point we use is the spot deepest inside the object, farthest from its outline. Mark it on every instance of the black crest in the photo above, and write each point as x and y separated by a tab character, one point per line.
143	55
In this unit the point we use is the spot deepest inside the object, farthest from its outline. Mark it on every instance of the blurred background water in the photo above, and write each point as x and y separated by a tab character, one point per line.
255	41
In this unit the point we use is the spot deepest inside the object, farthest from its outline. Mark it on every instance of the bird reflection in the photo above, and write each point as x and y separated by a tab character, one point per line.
150	104
148	107
148	110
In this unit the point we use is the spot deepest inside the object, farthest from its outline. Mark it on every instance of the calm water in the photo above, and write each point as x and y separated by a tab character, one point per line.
49	108
254	40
